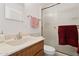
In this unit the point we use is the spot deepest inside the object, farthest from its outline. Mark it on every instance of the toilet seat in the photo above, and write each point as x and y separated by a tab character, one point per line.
49	50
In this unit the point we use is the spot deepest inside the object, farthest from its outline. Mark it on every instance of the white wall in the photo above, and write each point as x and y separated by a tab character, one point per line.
14	27
33	10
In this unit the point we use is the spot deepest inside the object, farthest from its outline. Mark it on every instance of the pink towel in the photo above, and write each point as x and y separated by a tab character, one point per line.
34	22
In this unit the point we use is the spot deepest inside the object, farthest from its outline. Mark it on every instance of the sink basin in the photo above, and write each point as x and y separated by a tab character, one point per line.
16	42
21	41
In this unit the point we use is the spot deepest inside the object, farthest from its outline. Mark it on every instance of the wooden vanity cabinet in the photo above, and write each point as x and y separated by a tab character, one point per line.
36	49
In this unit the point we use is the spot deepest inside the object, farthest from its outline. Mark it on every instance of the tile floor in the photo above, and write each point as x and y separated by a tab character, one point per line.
60	54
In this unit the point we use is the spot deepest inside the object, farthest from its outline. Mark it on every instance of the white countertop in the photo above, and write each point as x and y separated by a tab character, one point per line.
7	49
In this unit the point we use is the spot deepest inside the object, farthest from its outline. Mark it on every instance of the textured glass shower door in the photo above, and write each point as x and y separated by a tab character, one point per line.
62	14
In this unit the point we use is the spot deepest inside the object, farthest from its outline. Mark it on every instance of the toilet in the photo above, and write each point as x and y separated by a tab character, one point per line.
48	50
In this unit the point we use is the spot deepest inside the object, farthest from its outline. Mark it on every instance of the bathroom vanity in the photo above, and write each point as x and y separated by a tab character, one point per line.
27	46
33	50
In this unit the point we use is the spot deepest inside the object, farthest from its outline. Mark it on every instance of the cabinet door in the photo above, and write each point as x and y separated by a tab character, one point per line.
41	53
37	47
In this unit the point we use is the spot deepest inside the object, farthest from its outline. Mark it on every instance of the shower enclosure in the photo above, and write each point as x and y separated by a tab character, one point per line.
54	16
